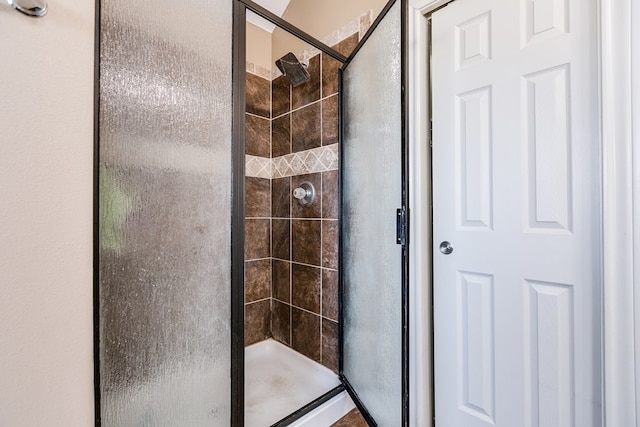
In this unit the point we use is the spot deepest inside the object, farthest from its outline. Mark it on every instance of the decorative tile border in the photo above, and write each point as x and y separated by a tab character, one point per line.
257	167
321	159
258	70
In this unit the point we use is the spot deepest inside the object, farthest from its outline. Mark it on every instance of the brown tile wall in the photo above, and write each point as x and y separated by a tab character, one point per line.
296	271
305	239
258	215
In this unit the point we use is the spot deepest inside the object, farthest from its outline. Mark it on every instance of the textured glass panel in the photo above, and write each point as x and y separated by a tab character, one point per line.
372	193
165	135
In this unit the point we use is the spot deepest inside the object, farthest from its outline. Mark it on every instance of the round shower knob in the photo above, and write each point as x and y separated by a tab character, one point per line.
299	193
305	194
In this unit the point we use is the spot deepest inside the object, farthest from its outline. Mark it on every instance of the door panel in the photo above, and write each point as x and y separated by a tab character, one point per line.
516	192
165	209
372	183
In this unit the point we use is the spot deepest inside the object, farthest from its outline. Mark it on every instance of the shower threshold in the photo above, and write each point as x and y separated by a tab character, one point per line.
279	380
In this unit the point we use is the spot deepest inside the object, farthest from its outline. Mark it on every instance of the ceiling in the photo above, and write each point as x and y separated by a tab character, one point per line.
276	7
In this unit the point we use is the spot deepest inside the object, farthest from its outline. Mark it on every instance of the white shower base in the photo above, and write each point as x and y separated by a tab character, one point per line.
279	381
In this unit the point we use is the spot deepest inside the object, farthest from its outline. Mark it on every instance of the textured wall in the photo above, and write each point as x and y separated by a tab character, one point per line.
46	166
165	179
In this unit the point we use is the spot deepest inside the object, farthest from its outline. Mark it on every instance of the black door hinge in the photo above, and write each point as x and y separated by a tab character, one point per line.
401	226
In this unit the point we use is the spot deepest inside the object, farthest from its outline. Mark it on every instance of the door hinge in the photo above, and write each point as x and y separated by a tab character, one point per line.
401	226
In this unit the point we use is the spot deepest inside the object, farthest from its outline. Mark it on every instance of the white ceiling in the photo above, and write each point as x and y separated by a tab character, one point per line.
276	7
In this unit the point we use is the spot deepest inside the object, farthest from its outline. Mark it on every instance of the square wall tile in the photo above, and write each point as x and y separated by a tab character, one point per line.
257	197
257	239
330	244
257	322
281	96
305	287
330	195
281	322
306	241
330	68
281	239
305	333
281	280
257	280
330	294
258	136
306	130
315	209
330	347
347	46
353	419
281	135
258	96
281	197
308	92
330	128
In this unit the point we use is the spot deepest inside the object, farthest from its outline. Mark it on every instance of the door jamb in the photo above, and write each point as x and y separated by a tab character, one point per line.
420	335
621	168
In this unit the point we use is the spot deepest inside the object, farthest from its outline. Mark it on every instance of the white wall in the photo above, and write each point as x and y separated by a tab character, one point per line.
46	137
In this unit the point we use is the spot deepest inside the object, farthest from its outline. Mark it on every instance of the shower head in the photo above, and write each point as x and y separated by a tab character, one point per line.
293	69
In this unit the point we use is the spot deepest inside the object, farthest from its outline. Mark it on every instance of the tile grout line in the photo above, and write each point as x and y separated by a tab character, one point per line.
257	116
271	200
294	110
303	309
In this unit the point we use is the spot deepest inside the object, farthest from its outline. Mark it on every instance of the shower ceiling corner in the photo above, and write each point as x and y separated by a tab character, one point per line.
277	7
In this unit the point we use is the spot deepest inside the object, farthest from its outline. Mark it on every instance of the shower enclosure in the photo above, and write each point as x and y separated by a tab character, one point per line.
291	222
372	213
185	194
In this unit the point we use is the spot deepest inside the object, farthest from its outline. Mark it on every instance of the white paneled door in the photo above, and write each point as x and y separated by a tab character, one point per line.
516	175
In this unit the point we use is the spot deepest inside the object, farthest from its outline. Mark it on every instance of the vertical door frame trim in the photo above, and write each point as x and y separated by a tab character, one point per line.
420	267
620	169
97	381
238	214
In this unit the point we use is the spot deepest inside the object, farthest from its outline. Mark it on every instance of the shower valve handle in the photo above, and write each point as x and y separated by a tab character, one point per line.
305	194
300	193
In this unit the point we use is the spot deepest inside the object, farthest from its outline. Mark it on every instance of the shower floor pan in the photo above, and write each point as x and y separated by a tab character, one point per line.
278	381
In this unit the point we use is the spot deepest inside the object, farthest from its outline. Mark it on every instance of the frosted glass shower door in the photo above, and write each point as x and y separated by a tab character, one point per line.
373	263
165	209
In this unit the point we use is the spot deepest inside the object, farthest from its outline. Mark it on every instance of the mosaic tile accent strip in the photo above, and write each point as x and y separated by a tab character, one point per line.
355	26
321	159
257	167
258	70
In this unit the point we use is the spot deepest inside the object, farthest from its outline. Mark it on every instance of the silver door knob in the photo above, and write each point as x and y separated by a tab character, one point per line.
446	248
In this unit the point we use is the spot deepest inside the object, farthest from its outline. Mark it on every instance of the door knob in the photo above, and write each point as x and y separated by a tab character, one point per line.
446	248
